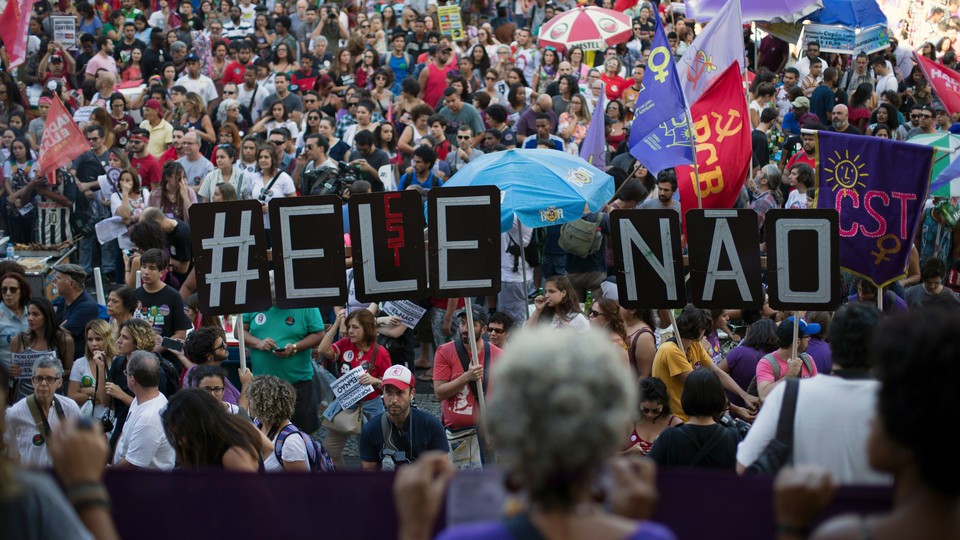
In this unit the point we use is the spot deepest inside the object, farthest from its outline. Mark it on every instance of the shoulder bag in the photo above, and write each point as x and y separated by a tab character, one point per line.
779	451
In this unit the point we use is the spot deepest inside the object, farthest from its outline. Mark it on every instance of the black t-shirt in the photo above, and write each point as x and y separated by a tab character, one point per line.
179	242
428	434
89	166
74	318
163	310
678	447
122	47
761	151
378	158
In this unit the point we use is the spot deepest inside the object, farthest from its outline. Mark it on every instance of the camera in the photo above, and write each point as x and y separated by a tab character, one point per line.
327	180
106	422
263	195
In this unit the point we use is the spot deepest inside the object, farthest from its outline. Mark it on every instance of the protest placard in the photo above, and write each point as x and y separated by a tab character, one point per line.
64	30
348	388
803	256
409	312
25	361
647	253
832	39
725	259
871	40
465	230
450	21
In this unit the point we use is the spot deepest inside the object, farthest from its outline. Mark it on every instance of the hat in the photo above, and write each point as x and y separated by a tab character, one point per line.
443	48
785	330
73	270
398	376
479	314
153	104
801	101
192	57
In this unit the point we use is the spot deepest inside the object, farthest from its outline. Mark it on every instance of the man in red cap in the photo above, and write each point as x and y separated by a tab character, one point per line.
146	165
161	132
400	434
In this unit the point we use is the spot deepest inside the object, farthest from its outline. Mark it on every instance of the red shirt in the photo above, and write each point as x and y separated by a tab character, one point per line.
233	73
615	85
351	355
149	170
801	157
461	410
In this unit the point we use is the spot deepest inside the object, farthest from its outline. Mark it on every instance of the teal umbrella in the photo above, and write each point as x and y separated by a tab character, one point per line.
948	149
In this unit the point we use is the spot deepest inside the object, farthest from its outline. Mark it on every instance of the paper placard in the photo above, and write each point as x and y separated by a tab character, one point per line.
64	30
832	39
407	311
25	361
348	388
450	21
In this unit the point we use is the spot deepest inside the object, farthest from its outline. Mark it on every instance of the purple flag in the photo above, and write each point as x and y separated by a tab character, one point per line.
593	148
660	136
879	200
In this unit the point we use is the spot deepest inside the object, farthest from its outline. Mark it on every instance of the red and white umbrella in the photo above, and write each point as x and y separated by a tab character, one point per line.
590	28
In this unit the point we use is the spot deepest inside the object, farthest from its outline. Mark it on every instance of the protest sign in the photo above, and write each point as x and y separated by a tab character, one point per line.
648	256
879	201
348	388
229	254
64	30
803	256
871	40
832	39
450	21
725	259
409	312
307	240
388	246
465	235
25	361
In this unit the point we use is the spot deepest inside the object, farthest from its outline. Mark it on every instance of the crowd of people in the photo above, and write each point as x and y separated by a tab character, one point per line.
188	103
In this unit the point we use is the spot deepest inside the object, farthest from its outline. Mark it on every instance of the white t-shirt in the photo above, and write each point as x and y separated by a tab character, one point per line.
202	85
283	187
80	373
21	430
830	428
143	442
577	321
294	449
506	259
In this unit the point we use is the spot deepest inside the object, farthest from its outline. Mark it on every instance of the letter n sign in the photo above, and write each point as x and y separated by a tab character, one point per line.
725	259
647	254
803	259
229	246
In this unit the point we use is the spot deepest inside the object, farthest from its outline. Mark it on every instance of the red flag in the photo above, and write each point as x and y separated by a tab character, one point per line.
945	82
62	140
13	28
721	124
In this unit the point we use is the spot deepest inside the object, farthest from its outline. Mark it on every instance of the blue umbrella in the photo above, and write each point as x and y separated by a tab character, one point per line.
541	187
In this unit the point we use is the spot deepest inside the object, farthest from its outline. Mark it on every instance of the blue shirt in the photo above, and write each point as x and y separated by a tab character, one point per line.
10	325
74	318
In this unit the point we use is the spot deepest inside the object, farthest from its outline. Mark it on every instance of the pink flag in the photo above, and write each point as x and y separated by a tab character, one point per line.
13	28
62	140
945	82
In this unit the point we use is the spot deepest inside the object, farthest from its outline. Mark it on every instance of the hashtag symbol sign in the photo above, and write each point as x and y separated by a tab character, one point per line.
218	244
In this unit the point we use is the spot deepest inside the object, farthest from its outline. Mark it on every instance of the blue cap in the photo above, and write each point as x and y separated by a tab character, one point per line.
806	329
192	57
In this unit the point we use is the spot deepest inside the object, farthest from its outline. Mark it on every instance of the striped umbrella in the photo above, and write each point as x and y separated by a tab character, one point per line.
590	28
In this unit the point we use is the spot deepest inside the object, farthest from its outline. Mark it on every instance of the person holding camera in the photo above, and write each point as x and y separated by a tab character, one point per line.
313	157
272	182
400	434
368	160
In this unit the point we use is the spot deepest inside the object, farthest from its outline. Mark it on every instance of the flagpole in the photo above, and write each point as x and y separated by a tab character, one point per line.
696	166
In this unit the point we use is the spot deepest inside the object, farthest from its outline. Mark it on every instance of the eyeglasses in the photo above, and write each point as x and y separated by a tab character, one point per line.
39	379
464	137
489	78
644	410
352	103
492	330
213	389
595	314
6	290
926	116
309	101
93	139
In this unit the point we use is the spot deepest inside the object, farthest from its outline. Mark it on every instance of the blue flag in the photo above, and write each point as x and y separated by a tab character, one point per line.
593	148
660	136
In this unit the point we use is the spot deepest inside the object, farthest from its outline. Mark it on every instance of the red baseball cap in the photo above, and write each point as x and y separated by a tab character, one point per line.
399	376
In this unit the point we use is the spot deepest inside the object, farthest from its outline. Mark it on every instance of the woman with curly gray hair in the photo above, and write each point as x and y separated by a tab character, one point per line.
564	403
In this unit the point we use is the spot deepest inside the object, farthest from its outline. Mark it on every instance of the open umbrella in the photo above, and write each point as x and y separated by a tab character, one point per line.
788	11
590	28
948	149
540	187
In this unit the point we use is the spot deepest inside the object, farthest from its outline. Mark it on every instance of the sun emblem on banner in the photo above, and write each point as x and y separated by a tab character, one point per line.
847	172
579	176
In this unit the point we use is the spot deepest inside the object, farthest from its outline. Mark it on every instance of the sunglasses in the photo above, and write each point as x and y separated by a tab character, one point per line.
228	92
594	314
644	410
6	290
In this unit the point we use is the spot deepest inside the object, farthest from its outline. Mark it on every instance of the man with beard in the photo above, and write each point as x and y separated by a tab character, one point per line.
399	435
456	384
206	347
666	187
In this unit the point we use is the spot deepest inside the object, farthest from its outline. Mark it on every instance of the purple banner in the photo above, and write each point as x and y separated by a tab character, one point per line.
360	505
660	137
879	199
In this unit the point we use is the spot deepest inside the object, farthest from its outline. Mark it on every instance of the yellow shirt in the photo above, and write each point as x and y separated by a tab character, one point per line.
160	137
670	362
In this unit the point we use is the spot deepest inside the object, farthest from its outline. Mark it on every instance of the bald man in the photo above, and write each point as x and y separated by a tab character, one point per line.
841	123
527	124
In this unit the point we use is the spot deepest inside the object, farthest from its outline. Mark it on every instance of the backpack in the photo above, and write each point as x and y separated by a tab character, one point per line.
804	357
400	348
83	217
318	459
581	238
170	382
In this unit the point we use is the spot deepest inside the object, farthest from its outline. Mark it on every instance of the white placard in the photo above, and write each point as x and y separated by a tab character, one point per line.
406	310
26	360
348	388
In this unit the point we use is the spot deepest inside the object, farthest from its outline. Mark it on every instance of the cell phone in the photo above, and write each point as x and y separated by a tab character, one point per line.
173	344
